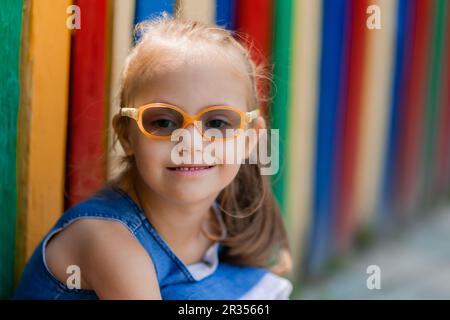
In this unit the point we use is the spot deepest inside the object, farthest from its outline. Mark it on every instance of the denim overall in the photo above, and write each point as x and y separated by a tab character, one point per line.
208	279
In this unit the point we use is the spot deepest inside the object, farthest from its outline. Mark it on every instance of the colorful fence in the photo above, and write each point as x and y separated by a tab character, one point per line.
363	113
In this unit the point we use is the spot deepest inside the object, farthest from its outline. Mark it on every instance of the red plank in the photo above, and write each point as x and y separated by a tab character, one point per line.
350	120
87	114
254	18
415	101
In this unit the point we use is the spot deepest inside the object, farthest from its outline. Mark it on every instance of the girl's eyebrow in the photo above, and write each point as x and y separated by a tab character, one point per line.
181	106
216	104
164	102
213	105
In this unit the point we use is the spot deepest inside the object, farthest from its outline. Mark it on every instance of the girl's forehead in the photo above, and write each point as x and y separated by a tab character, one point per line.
194	86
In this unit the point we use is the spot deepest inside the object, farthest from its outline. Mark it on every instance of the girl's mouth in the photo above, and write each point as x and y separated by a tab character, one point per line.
190	169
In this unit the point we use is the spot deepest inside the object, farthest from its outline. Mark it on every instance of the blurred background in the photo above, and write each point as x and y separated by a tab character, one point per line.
360	95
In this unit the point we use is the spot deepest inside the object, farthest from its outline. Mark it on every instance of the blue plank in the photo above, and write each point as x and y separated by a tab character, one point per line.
405	19
335	32
226	14
149	8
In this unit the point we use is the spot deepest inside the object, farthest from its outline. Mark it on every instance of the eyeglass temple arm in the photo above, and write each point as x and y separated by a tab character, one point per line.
251	115
129	112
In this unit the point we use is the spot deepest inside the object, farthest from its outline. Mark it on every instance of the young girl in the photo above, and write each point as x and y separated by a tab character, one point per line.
164	230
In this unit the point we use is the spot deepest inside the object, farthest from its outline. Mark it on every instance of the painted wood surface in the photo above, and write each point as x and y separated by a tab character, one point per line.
442	167
121	42
377	86
10	28
147	9
42	123
350	117
255	20
434	95
302	125
279	110
334	36
401	71
226	13
87	152
197	10
408	173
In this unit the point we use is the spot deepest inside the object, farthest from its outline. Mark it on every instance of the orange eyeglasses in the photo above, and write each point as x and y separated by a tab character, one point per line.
160	120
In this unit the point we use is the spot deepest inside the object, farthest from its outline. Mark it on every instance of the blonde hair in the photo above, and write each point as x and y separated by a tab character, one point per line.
256	237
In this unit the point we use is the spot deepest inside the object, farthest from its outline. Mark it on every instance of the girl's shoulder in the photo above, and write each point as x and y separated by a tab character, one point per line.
111	261
98	236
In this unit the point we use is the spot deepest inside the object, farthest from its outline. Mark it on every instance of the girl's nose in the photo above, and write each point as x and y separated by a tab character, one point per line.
193	138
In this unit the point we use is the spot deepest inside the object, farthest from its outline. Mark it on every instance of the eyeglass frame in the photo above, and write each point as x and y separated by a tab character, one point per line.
136	114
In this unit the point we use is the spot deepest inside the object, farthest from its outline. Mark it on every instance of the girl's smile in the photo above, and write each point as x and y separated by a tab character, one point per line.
191	170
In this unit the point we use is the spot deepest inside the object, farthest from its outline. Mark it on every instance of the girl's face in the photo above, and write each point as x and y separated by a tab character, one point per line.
192	87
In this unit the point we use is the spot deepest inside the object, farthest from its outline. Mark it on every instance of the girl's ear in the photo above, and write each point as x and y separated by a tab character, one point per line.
123	135
258	124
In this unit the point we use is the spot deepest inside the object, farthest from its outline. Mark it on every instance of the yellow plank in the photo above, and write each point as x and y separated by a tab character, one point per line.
375	104
42	123
198	10
306	36
122	38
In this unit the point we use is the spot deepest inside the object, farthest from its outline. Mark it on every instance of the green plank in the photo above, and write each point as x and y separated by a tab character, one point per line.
434	94
10	29
282	53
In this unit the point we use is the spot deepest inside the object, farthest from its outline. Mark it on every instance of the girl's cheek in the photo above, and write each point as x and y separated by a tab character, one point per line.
152	151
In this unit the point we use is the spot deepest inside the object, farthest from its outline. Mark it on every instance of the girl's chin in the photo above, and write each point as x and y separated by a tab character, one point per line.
185	198
191	190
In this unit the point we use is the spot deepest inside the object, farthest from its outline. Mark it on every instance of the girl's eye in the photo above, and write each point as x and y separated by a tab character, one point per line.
164	123
217	123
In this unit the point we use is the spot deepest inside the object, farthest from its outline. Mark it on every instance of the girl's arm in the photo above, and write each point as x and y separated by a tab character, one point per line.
111	260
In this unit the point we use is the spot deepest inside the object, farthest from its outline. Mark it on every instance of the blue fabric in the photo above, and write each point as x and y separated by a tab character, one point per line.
227	281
